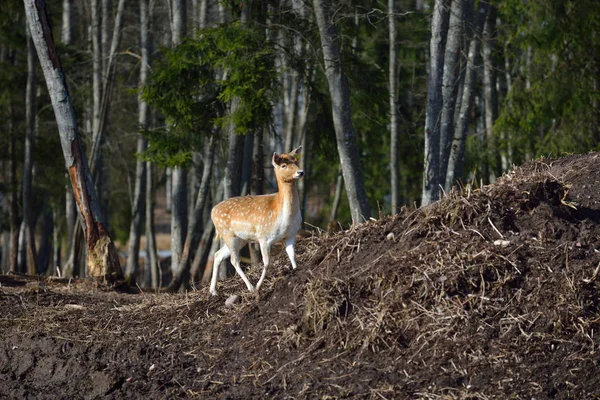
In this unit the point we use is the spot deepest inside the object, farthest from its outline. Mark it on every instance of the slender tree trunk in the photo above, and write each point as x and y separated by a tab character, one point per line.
28	242
290	82
257	162
203	10
70	208
169	190
44	256
67	22
203	253
178	215
337	198
137	209
56	242
508	80
450	81
431	170
153	266
13	216
393	89
182	274
457	150
178	174
102	255
70	218
339	90
96	64
106	9
490	95
247	164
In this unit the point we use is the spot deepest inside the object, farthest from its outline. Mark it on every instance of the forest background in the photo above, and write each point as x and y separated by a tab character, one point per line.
182	103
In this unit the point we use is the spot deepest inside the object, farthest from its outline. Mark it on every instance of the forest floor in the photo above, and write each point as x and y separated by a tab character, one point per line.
492	293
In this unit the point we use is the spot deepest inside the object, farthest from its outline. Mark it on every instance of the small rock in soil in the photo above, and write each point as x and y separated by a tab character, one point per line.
232	300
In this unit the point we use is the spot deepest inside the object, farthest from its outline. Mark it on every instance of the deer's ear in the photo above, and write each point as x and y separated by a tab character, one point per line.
296	152
276	160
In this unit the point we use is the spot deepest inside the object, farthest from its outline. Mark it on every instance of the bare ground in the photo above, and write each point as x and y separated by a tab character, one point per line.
487	294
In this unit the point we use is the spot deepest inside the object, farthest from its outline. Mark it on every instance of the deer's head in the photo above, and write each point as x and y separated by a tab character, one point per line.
286	165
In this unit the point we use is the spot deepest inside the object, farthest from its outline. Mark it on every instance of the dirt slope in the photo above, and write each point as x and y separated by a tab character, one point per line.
490	294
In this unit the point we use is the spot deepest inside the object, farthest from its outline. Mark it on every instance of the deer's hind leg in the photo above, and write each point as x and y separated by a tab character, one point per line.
235	244
265	250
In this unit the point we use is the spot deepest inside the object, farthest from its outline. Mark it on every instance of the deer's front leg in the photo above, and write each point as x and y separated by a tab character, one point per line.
289	249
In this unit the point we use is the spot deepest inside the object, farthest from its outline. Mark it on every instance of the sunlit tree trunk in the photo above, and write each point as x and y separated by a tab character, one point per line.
450	81
431	168
457	150
102	255
393	91
339	90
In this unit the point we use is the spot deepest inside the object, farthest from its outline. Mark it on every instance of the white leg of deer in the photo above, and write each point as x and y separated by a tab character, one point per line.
265	250
220	255
289	249
235	245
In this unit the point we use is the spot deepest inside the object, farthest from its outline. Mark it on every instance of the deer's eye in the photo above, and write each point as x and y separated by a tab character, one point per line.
283	165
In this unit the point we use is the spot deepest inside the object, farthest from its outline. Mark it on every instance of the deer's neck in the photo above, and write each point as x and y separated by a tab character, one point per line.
287	197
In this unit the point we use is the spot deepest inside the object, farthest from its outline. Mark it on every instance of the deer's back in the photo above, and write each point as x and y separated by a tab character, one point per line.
247	217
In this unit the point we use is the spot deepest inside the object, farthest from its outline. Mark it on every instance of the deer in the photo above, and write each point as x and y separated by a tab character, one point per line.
263	219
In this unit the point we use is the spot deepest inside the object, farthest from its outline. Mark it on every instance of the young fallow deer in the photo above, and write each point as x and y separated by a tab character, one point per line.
266	219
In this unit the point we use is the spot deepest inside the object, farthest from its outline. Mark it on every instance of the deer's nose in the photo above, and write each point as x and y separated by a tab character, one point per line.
300	173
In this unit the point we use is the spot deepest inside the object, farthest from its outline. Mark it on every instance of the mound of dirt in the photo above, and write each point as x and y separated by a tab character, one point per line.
490	293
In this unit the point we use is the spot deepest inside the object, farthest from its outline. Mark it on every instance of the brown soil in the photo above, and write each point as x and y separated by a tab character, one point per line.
493	293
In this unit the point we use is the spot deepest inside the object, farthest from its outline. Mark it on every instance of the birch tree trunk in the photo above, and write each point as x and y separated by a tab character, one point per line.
457	150
450	81
102	255
431	168
137	206
339	90
393	88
